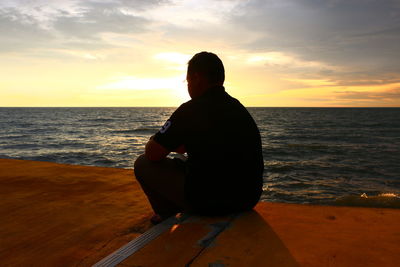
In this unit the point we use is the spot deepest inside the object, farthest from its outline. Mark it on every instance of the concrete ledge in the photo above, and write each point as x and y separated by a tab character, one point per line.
65	215
277	234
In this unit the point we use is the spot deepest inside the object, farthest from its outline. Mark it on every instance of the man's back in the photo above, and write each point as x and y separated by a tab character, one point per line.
225	165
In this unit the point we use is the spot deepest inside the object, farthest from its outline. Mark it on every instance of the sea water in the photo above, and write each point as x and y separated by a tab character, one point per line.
348	156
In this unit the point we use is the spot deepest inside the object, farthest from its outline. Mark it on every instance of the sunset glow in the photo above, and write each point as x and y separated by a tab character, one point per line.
135	53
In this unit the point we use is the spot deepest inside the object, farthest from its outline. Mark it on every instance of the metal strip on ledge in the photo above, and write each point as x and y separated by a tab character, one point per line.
127	250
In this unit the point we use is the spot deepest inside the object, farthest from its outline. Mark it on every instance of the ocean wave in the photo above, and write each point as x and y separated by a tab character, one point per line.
308	146
144	130
98	120
15	136
84	158
381	200
104	162
23	146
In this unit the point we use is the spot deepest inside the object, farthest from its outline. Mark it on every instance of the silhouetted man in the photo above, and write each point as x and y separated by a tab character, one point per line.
223	172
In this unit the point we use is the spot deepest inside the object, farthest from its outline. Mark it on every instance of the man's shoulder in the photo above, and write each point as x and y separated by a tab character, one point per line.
185	107
185	111
225	101
191	107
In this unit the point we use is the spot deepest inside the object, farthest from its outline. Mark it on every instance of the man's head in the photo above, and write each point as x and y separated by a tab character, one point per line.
205	70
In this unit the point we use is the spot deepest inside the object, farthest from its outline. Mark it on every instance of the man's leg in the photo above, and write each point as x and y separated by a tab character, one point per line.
163	183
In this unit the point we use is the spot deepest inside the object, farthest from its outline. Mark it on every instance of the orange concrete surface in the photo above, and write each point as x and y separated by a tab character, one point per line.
277	234
249	241
65	215
175	247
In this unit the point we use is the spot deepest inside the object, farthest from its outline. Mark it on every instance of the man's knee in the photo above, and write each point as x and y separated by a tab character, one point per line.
140	161
140	165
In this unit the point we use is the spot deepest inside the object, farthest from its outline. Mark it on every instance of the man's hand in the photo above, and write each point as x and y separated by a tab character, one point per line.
180	150
154	151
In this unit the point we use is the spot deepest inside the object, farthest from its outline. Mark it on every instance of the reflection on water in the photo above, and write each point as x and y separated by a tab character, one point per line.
311	155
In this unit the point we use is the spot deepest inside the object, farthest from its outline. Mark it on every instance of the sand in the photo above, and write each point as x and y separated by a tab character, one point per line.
65	215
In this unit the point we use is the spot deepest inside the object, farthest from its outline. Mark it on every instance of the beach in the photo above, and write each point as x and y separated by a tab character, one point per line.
69	215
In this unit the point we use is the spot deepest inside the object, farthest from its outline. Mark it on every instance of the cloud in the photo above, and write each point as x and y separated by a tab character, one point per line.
26	25
139	83
391	95
20	31
136	4
355	78
352	33
90	22
174	60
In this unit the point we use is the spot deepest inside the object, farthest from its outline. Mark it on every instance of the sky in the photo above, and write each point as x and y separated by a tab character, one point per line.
276	53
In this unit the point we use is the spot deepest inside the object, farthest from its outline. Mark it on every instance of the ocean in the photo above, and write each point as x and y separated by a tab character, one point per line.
339	156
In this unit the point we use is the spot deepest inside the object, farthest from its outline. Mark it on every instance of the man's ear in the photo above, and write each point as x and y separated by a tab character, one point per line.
196	76
200	78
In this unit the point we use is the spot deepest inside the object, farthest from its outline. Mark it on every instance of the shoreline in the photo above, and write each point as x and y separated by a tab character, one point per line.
387	199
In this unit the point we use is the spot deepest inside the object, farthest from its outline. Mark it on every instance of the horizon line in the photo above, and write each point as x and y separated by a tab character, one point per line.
178	106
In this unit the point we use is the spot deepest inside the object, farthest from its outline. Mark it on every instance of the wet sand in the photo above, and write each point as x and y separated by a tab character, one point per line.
65	215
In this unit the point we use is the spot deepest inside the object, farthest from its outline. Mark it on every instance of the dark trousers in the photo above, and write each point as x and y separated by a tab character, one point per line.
163	183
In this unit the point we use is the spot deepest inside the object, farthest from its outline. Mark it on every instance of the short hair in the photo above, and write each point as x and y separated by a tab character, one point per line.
208	64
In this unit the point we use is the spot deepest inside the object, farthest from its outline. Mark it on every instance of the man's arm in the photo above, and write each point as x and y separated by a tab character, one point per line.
180	150
154	151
